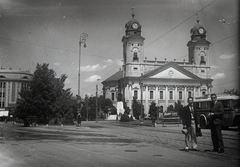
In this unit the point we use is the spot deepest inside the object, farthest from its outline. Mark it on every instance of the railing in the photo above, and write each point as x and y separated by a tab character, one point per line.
171	118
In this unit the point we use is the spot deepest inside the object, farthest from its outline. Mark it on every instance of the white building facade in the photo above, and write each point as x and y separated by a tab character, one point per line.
11	83
163	82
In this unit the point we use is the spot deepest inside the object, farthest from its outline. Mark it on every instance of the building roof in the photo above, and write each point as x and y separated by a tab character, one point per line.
118	75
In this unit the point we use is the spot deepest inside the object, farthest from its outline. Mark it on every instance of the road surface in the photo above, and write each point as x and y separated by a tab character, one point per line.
110	144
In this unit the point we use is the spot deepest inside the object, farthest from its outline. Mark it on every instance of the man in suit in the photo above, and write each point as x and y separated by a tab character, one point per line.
215	121
190	122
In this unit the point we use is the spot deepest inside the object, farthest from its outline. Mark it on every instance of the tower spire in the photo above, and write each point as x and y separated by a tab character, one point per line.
133	14
198	20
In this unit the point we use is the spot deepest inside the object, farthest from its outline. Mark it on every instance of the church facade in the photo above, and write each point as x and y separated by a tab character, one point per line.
163	82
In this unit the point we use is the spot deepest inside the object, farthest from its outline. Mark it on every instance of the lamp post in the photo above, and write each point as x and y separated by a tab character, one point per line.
82	40
96	100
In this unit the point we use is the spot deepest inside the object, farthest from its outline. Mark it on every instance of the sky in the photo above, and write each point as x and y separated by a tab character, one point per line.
48	31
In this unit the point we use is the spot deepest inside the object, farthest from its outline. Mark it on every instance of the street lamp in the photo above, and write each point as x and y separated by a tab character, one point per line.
96	100
82	40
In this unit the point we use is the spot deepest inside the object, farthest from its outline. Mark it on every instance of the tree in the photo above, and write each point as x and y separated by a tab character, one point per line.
136	107
232	92
105	104
178	108
46	98
153	110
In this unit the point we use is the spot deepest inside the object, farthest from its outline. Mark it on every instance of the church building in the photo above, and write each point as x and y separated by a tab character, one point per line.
164	82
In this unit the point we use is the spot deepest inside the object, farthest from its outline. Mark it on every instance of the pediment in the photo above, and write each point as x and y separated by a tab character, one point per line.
170	73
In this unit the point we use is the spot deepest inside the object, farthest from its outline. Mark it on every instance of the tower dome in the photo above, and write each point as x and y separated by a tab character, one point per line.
198	31
133	26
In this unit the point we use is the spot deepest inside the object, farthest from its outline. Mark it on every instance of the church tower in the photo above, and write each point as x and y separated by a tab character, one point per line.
133	49
198	51
198	47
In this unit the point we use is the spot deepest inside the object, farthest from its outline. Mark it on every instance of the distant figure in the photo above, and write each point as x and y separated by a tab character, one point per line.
79	118
153	114
215	119
190	122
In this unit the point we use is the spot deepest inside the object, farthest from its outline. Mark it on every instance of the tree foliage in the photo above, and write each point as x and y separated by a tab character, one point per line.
178	108
153	110
136	107
232	92
46	98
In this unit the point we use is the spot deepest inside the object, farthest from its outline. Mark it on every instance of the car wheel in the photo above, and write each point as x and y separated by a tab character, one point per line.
203	123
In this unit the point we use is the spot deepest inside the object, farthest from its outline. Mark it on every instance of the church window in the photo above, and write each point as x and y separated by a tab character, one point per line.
203	93
171	95
136	94
189	94
202	71
135	68
112	96
202	60
161	95
180	95
151	94
135	57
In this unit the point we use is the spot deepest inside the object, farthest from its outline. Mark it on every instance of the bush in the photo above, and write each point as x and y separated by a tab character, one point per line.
125	118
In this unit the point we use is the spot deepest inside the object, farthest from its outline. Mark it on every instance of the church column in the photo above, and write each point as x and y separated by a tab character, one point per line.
156	95
166	98
194	92
130	97
175	93
199	93
146	99
185	95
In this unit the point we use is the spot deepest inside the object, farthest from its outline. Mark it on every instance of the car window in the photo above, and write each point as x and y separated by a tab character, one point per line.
236	104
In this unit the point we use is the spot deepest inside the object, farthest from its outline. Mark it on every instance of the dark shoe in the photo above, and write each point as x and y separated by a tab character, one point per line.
214	150
194	149
221	151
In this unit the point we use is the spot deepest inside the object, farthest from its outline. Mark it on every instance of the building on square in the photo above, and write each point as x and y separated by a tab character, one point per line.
11	83
164	82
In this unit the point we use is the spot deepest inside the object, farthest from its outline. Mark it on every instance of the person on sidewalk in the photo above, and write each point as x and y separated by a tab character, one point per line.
79	117
190	123
215	122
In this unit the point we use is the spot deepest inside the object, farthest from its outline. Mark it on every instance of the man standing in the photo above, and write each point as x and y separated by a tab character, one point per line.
215	120
189	120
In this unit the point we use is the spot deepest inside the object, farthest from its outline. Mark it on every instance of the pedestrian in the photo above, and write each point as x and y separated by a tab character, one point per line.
215	122
190	123
153	113
79	118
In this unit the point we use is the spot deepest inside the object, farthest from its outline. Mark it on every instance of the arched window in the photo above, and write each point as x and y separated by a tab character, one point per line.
202	60
135	57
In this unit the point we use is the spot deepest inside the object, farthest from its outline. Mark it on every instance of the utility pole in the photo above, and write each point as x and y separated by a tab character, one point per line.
96	102
141	87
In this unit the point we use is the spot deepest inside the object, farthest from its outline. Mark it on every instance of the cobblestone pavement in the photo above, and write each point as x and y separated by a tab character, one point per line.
105	143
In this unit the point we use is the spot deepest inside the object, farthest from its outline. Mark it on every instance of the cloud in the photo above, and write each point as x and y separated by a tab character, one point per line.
56	64
90	68
218	76
225	56
93	78
108	61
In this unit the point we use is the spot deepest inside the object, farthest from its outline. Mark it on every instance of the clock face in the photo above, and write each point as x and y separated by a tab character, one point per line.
135	26
201	31
170	73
